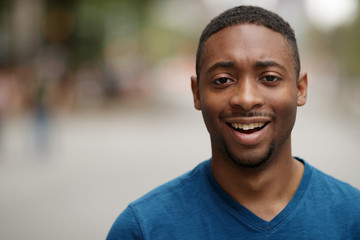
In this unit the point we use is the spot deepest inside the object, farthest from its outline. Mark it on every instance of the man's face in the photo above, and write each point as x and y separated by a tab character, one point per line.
248	94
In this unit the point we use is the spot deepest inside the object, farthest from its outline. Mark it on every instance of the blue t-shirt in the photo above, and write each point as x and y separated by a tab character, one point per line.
194	206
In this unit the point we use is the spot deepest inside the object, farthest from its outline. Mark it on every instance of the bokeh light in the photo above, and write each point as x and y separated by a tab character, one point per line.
329	14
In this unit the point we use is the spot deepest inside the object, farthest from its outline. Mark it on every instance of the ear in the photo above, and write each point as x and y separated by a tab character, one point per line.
195	91
302	85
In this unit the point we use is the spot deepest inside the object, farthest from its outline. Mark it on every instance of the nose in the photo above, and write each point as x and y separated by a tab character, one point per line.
247	95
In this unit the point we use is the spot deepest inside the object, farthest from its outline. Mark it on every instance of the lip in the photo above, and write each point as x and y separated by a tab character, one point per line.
248	139
248	120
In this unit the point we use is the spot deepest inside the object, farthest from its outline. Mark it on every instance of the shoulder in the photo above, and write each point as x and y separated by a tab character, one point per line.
183	185
164	205
330	185
331	202
125	226
332	193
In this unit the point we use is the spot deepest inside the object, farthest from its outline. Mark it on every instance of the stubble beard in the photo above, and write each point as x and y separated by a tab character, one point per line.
251	162
254	161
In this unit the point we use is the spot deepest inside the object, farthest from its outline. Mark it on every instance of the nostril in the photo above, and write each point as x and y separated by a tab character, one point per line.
246	102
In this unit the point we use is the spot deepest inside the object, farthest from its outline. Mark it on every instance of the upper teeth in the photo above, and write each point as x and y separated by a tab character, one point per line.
247	126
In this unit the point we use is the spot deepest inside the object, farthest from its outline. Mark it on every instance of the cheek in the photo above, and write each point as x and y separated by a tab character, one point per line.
210	113
285	107
211	108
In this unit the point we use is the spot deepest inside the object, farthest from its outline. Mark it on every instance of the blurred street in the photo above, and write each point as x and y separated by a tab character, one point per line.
91	118
96	162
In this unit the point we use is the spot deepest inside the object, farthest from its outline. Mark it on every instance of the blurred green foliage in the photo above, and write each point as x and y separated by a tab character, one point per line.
340	44
345	43
93	18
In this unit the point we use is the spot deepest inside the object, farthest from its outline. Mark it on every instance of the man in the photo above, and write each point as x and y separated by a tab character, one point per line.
248	86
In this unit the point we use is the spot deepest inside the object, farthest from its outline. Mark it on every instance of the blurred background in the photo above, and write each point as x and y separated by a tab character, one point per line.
96	107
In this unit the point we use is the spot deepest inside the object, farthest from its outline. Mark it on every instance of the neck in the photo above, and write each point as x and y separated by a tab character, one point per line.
264	191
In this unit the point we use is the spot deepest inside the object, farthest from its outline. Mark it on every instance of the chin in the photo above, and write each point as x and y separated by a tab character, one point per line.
252	161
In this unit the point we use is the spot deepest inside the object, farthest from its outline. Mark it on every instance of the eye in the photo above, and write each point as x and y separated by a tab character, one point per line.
222	81
270	78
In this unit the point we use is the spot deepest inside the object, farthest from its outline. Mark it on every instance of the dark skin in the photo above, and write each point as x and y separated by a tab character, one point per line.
248	92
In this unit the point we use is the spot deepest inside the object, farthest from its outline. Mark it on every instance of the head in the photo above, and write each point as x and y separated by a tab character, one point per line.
248	86
249	15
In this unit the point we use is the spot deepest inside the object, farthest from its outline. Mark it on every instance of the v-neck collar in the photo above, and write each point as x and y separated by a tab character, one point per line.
248	217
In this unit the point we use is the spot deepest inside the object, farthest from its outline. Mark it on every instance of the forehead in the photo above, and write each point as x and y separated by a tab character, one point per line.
246	42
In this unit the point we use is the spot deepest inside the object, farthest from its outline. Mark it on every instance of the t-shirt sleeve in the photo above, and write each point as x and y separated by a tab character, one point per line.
125	227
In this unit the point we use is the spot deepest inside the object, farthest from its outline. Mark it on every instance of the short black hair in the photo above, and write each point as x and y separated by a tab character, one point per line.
249	15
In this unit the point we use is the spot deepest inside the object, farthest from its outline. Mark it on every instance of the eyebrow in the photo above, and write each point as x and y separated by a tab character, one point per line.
221	65
258	64
262	64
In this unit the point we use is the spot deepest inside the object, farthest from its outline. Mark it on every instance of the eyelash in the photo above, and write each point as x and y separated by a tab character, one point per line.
228	80
274	78
217	81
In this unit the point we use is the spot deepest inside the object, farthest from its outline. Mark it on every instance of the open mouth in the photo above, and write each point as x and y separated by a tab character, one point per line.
247	128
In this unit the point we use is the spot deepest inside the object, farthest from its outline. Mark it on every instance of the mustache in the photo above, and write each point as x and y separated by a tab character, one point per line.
247	115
